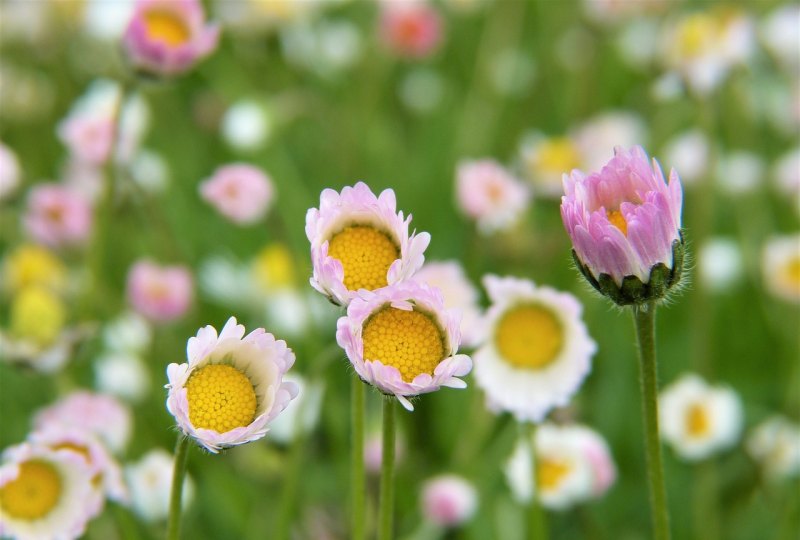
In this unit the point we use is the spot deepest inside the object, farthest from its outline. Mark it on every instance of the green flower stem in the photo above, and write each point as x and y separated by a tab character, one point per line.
706	509
178	474
358	477
387	471
537	517
645	320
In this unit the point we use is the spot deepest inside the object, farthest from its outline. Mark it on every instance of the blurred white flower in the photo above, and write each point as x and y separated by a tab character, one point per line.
739	172
107	20
287	311
150	171
123	375
544	160
786	173
9	172
779	33
597	137
699	420
247	125
150	482
421	90
720	264
130	332
326	47
637	41
448	500
302	414
668	87
775	445
688	152
226	281
780	266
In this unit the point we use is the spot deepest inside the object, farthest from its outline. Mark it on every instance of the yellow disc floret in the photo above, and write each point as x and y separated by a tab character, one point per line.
166	27
37	315
529	336
791	274
366	255
616	218
408	340
33	493
698	423
550	473
220	398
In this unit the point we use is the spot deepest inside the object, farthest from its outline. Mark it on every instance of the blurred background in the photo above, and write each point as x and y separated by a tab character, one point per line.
321	94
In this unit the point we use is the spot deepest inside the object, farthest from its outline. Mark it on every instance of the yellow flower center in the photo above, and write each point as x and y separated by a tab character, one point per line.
791	274
366	255
557	155
408	340
529	336
273	267
220	398
82	450
551	472
33	265
698	424
695	34
32	494
37	315
166	27
616	218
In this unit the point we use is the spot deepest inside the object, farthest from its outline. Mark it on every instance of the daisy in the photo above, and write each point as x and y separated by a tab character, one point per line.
403	341
780	266
359	241
44	493
489	194
232	386
698	420
537	351
775	445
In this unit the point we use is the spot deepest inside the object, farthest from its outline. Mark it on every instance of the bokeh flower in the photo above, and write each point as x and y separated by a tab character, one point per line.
57	216
448	500
232	386
597	137
698	420
537	350
624	222
359	241
572	464
28	265
123	375
544	160
373	450
240	192
403	341
301	416
489	194
410	29
689	153
720	264
150	482
160	293
10	173
780	266
775	445
168	37
44	493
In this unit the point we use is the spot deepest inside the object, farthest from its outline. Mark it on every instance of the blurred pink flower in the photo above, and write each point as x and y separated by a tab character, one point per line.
57	216
168	37
88	136
625	219
411	29
160	293
489	194
240	192
448	500
373	451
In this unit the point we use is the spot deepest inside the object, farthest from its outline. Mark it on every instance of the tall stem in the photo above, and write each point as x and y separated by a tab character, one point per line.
645	320
387	471
357	477
178	474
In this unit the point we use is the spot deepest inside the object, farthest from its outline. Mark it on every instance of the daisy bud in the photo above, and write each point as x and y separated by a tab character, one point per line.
168	37
624	222
448	500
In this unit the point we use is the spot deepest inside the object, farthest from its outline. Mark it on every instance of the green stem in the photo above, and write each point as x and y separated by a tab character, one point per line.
357	478
387	471
706	510
178	474
292	480
645	320
537	518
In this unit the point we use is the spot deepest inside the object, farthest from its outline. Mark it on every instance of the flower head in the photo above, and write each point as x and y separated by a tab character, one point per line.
232	386
403	341
487	193
572	464
240	192
168	37
359	241
57	216
699	420
410	29
624	222
780	266
775	445
150	482
537	350
160	293
44	493
448	500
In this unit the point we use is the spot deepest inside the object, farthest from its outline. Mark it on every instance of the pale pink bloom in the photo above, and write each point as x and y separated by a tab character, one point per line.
240	192
67	473
357	206
160	293
624	219
382	372
98	414
57	216
373	451
459	293
489	194
88	136
449	500
258	355
411	29
9	171
168	37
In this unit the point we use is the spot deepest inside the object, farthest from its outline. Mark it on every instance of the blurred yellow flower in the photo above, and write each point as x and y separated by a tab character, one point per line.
38	315
273	268
32	265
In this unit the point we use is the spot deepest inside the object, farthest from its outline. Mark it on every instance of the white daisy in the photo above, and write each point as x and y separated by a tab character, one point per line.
150	482
775	444
780	265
